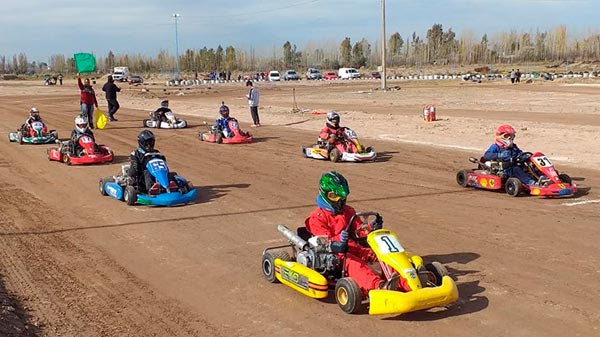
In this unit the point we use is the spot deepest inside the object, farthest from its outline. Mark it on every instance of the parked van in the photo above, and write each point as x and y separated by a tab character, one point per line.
347	73
274	75
120	74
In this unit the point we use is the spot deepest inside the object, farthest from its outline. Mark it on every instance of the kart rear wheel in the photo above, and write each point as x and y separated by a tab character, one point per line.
461	178
101	184
130	195
348	295
219	138
268	264
66	159
513	187
565	178
335	155
438	270
20	137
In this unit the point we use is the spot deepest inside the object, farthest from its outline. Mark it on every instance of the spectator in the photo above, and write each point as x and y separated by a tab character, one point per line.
60	78
512	76
111	89
229	75
518	76
253	96
87	100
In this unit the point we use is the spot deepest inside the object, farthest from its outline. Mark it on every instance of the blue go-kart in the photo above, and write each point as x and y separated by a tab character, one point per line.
168	190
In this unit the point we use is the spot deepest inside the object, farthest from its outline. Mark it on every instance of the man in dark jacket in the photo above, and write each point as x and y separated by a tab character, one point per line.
111	90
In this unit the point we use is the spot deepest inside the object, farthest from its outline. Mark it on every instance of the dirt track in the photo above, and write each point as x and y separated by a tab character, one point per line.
86	265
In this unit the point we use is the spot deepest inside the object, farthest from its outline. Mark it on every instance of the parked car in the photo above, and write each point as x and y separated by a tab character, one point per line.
331	76
313	74
374	74
290	75
134	79
274	75
348	73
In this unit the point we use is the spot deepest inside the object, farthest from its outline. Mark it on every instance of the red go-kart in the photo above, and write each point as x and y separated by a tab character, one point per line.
88	152
216	135
490	175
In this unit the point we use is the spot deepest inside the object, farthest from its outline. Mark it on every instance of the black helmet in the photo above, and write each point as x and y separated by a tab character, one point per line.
224	110
146	140
334	118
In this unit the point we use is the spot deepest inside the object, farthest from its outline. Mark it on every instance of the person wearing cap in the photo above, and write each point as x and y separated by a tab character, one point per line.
253	97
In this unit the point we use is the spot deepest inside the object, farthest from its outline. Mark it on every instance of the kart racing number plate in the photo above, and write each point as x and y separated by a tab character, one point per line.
294	277
389	244
543	161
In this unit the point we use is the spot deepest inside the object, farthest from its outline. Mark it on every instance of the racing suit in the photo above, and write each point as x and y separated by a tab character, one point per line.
26	127
332	134
324	221
222	124
75	135
159	114
495	152
138	160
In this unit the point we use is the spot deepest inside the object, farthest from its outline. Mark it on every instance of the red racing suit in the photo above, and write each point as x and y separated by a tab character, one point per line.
323	222
329	130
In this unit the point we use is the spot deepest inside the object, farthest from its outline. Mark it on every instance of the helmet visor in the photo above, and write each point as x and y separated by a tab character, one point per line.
507	136
333	197
81	126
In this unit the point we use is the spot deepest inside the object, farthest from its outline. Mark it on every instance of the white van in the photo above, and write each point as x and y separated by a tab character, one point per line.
347	73
120	74
274	75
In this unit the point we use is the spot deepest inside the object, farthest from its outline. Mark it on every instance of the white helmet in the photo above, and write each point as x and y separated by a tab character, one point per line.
334	118
164	103
81	124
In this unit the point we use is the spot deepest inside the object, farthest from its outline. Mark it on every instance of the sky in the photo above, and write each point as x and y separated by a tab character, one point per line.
40	28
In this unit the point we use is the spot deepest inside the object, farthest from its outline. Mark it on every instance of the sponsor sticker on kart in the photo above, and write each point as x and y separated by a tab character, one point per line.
294	277
411	272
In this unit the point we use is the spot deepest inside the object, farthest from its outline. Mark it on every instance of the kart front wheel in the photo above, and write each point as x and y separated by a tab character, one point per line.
565	178
101	187
461	178
348	295
268	264
335	155
513	187
66	159
130	195
304	152
438	270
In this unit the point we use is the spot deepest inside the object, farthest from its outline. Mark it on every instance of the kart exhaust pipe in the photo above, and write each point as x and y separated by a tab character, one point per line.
293	238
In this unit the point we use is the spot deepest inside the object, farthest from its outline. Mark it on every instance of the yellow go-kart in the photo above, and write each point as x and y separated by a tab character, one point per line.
313	270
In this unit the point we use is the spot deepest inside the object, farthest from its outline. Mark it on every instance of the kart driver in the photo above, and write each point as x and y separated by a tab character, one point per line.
505	150
222	122
330	219
34	116
140	157
81	129
332	131
159	114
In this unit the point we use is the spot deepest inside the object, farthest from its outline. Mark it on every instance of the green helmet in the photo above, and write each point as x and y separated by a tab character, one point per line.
334	190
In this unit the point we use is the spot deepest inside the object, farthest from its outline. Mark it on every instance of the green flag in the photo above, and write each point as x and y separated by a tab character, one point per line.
85	63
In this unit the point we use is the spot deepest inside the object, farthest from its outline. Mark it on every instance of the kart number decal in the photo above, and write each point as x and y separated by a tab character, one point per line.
86	139
158	165
411	272
389	244
293	277
234	125
37	125
543	161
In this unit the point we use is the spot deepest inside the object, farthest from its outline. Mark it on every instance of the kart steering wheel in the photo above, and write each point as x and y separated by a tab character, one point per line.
364	217
524	156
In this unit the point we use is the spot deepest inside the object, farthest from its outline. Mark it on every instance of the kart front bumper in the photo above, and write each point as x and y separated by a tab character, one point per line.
554	190
167	199
389	302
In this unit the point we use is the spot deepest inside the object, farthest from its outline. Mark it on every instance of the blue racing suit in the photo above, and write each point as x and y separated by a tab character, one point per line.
222	124
495	152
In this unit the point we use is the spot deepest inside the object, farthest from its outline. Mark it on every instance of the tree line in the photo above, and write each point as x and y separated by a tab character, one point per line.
437	47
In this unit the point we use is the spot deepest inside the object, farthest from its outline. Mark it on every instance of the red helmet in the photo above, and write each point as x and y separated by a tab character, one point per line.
505	134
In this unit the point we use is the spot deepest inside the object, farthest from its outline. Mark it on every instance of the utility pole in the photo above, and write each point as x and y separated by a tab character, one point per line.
176	15
383	75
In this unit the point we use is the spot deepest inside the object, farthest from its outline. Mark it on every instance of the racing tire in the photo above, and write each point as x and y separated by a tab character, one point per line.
101	184
219	138
268	264
130	195
461	178
335	155
348	295
438	270
112	156
66	159
565	178
513	187
20	138
304	152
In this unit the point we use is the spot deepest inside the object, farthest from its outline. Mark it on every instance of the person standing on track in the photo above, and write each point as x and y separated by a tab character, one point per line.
87	100
253	97
111	89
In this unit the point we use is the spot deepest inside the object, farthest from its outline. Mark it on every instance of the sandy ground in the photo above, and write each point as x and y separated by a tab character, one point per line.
77	264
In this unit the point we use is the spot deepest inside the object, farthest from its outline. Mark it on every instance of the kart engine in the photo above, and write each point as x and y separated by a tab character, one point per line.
322	261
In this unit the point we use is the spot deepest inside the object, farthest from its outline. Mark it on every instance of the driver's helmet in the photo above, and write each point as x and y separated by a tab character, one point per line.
505	134
146	140
81	124
333	118
164	103
34	113
333	189
224	111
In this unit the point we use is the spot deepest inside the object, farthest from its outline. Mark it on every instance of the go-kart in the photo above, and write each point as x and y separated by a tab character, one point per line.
313	270
37	133
169	122
216	135
347	147
88	152
490	175
168	190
